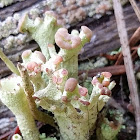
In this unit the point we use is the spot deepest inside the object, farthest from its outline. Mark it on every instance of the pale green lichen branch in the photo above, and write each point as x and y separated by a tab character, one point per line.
9	63
75	110
29	91
14	98
41	30
108	129
32	61
49	79
70	46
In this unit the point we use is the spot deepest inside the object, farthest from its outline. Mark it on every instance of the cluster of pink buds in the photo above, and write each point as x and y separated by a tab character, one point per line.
73	91
101	86
37	56
36	62
59	78
52	65
69	88
26	54
102	81
33	61
34	67
66	40
84	96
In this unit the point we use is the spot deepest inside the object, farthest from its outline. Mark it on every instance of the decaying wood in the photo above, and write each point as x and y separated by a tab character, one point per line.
7	122
128	62
114	70
105	31
10	10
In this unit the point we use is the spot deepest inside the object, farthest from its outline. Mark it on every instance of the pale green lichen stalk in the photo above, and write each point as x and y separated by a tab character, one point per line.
13	96
41	30
108	128
49	79
9	63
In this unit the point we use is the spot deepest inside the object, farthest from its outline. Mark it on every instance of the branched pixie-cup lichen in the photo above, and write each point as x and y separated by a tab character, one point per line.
49	79
13	96
112	125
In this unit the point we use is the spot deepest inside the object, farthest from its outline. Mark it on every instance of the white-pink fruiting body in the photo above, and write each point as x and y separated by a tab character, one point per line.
70	84
26	54
65	40
83	91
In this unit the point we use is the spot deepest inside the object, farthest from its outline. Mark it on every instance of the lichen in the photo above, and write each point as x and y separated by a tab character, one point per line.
94	63
4	3
50	79
108	129
13	96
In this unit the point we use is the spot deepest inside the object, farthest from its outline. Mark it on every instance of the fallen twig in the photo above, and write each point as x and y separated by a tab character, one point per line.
111	57
132	42
9	63
135	7
128	62
135	38
29	91
115	70
134	55
119	61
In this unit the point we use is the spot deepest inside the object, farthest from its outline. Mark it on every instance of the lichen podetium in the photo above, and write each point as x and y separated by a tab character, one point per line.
50	79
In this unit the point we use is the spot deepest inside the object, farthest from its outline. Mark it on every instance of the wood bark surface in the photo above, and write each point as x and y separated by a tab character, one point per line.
106	35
